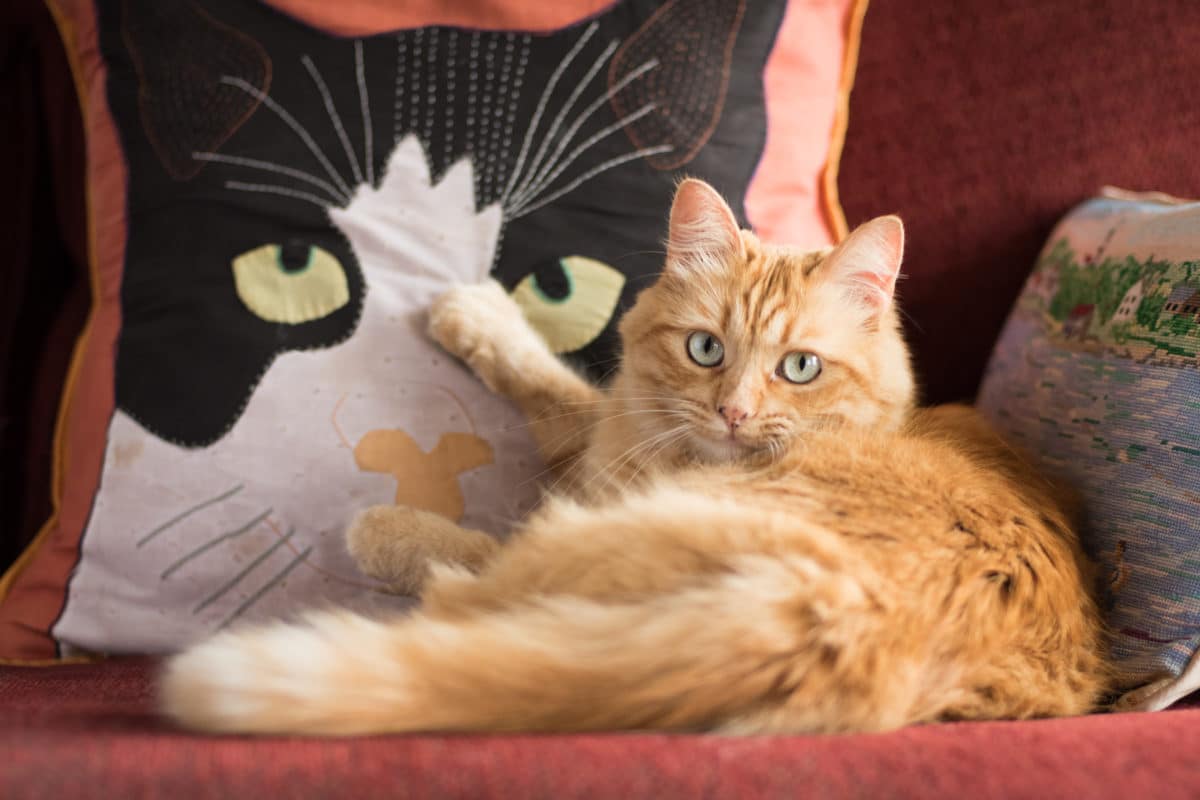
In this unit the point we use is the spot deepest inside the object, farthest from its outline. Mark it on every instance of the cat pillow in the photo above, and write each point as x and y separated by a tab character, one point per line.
276	194
1096	373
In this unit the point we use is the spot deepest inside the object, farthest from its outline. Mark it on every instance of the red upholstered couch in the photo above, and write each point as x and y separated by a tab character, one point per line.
979	122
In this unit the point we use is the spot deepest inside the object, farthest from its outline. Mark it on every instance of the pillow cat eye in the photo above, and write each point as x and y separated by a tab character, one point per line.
705	349
800	367
290	283
570	300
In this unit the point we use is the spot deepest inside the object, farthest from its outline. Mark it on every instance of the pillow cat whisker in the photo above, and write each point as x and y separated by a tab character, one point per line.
282	191
335	195
645	152
334	118
529	186
547	91
296	127
522	181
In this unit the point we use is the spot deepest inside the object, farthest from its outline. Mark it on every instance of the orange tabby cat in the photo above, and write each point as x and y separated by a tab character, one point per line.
756	533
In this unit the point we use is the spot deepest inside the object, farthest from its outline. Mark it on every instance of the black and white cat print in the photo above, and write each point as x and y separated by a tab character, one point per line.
296	200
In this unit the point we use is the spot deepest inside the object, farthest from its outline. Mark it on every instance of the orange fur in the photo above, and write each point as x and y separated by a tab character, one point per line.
824	559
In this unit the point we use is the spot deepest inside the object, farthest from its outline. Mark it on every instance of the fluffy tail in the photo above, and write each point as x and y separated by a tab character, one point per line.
732	653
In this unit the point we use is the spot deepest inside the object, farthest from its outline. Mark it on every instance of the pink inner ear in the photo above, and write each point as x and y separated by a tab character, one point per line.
701	220
878	287
868	261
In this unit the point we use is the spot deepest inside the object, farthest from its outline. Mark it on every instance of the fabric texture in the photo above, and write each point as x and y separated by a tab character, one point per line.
982	123
1096	373
272	208
90	731
43	283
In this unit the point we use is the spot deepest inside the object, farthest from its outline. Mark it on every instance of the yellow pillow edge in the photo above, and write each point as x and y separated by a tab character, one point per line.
834	214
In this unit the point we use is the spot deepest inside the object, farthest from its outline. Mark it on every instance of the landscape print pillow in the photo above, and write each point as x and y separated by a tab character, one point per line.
276	200
1098	373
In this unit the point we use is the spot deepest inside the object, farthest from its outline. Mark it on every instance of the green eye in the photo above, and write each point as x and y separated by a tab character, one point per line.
570	300
800	367
290	283
705	349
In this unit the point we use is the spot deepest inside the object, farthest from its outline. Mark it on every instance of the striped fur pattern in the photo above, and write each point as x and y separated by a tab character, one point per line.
826	559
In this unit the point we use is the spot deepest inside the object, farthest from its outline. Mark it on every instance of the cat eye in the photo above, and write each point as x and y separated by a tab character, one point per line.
570	300
800	367
705	349
290	283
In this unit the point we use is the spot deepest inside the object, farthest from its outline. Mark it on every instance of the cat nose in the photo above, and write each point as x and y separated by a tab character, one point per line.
733	415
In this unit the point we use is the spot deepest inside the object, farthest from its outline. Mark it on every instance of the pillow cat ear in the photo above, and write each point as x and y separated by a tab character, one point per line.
704	235
867	263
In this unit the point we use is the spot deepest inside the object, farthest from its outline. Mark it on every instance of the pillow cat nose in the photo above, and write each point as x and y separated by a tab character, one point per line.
733	415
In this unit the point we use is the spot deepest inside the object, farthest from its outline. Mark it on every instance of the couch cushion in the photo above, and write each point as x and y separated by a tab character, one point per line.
90	731
982	122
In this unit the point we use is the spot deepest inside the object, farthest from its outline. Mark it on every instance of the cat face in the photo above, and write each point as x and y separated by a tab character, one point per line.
751	346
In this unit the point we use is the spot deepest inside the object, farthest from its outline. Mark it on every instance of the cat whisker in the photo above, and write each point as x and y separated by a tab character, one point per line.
583	412
211	543
575	431
536	177
571	472
649	459
609	472
644	398
904	313
588	412
633	253
573	467
243	572
537	476
291	122
543	180
633	398
187	513
254	163
613	360
334	118
670	434
588	428
587	176
558	439
364	106
541	106
267	587
550	445
584	82
592	409
266	188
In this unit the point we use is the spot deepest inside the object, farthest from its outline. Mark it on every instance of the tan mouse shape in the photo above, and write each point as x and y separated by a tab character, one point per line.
424	480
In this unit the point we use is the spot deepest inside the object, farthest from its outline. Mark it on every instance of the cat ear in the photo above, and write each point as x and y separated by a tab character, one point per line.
867	262
704	234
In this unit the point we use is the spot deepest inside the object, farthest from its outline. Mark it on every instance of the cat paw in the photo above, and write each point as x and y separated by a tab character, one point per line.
482	325
398	545
386	542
